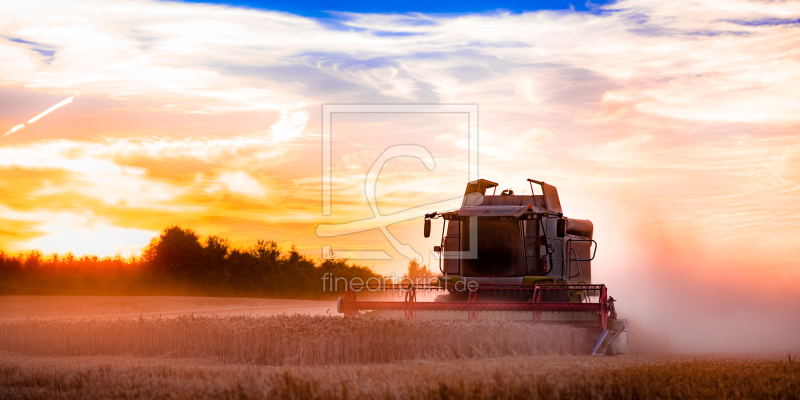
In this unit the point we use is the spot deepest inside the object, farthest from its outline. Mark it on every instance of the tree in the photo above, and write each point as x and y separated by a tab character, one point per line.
418	273
178	263
176	252
266	250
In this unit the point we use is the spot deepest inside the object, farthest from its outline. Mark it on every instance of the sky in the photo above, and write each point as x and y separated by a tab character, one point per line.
210	117
673	126
329	10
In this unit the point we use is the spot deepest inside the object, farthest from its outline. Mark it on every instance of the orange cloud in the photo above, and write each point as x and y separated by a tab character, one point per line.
209	116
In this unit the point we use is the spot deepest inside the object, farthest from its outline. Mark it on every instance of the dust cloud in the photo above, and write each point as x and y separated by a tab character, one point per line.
681	296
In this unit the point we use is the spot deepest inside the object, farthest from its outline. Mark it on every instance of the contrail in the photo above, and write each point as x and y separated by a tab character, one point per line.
36	118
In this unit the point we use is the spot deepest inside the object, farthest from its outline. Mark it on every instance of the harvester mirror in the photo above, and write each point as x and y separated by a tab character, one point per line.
561	227
437	249
427	228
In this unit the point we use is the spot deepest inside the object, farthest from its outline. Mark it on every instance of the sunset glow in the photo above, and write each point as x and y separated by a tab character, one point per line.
662	122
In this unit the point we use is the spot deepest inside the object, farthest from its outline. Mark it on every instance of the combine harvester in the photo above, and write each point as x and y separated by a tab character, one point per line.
506	257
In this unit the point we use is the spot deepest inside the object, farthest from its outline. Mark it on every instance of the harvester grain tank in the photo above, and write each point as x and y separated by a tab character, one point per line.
507	256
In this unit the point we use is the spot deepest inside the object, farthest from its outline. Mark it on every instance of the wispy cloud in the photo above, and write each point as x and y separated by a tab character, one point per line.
685	110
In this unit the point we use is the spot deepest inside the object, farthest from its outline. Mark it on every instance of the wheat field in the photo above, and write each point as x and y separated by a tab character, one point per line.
133	307
521	377
297	339
322	357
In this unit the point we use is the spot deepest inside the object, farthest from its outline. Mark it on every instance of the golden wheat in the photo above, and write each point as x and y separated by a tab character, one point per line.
280	340
540	377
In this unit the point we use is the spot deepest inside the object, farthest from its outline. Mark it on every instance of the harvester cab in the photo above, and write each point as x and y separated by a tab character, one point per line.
513	239
507	256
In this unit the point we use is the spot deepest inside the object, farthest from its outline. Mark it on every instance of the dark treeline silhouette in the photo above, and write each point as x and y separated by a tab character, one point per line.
178	263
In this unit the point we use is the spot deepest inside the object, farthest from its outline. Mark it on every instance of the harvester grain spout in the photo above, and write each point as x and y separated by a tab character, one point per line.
507	256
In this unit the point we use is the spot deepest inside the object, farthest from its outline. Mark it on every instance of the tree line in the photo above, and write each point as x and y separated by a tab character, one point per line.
179	263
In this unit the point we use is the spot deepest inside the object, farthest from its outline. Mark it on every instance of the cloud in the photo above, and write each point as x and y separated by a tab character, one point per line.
93	176
289	126
173	53
243	183
672	126
687	110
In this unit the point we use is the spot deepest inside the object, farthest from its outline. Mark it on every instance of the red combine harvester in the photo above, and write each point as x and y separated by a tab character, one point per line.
505	257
